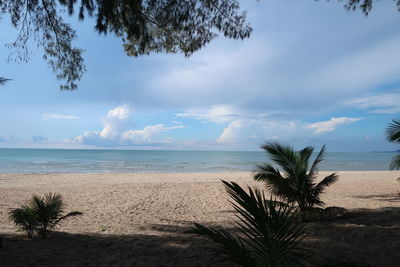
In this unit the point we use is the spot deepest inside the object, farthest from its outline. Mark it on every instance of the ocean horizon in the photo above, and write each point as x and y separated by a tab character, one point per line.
103	160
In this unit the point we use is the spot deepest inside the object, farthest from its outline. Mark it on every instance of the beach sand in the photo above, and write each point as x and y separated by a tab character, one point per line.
140	219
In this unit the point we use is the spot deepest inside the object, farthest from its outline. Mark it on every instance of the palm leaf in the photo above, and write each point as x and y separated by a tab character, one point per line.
230	248
393	131
295	182
321	186
274	181
267	232
24	217
395	163
314	167
305	155
61	218
283	156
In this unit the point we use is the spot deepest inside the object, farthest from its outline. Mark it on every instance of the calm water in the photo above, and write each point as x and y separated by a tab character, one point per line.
80	160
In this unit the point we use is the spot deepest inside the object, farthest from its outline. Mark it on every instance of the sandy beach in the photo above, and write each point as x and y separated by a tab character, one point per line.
139	219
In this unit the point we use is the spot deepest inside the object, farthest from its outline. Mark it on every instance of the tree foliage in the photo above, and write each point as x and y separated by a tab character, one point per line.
3	80
26	218
393	135
42	214
267	233
364	5
297	181
145	26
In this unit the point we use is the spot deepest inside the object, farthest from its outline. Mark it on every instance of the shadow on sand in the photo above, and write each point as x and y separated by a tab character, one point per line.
172	247
371	237
365	236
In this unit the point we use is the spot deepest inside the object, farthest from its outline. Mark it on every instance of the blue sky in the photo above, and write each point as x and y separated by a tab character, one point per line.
310	74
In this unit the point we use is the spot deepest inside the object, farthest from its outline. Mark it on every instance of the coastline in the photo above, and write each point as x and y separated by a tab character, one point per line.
160	205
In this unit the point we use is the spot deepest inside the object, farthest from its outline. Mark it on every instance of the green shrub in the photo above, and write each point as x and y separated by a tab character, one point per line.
25	218
42	214
267	233
295	181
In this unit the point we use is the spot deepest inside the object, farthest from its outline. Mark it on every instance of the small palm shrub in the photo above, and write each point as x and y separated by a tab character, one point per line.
296	181
41	215
267	233
25	218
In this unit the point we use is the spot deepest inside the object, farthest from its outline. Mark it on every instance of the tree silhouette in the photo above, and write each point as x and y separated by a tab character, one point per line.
144	26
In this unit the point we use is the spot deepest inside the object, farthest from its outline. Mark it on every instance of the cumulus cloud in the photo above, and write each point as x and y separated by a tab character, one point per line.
229	134
257	129
331	125
115	122
115	131
53	116
386	103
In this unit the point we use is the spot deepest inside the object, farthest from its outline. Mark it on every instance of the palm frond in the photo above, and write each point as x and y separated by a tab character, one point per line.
230	248
24	217
295	182
61	218
284	156
305	155
274	181
395	163
314	167
267	232
321	186
393	132
48	212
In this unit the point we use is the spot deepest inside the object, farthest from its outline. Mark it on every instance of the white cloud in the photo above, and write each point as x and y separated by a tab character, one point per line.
52	116
115	122
331	125
260	129
116	132
386	103
217	114
145	135
229	134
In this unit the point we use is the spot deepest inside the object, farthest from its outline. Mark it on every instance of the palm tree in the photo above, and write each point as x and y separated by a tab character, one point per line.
42	214
26	218
393	135
49	210
297	182
267	233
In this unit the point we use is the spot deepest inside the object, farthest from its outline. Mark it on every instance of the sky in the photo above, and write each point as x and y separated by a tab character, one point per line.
311	73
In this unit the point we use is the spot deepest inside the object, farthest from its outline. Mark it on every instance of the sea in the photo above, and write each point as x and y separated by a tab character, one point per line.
90	160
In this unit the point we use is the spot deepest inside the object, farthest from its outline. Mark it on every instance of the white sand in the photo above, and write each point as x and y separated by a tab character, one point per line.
150	205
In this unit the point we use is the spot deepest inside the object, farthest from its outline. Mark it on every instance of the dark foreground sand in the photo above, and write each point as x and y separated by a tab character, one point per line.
141	219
